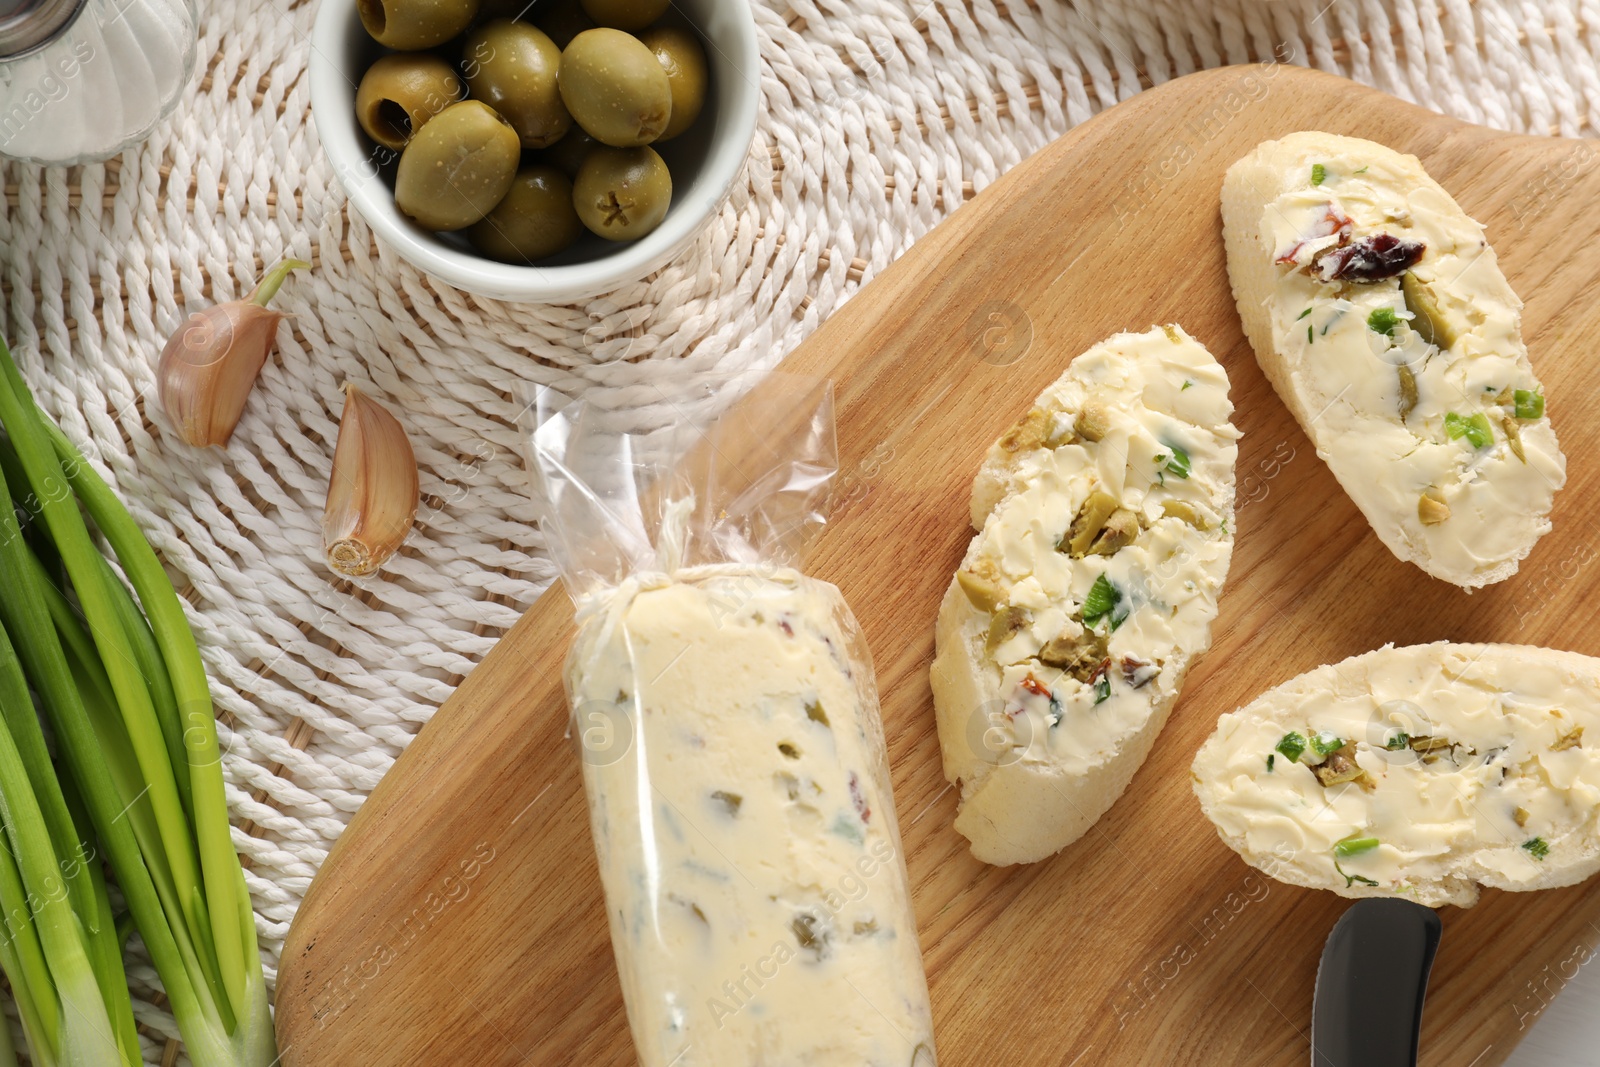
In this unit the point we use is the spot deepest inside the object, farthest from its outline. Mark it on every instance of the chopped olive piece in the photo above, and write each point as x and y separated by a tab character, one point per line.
1383	320
1176	338
815	713
1007	622
1370	259
1513	436
1425	743
1520	816
1293	746
730	801
1119	531
1029	432
1571	739
1088	523
1537	847
1340	767
1527	404
1094	420
1319	174
1426	318
1354	845
1078	656
981	589
1408	392
1431	508
1177	509
806	933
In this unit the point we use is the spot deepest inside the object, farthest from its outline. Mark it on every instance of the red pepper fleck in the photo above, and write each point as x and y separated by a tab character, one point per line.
1333	221
1100	671
1036	687
860	801
783	624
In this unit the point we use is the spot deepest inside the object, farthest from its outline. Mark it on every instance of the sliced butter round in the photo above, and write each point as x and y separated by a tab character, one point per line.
1422	772
1379	313
1105	519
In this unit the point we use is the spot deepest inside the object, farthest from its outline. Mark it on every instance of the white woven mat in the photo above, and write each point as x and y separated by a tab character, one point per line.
879	118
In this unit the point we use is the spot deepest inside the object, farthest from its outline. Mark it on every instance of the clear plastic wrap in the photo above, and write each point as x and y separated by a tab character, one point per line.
726	714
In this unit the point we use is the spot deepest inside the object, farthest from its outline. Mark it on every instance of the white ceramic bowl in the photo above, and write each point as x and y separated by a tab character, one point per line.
704	162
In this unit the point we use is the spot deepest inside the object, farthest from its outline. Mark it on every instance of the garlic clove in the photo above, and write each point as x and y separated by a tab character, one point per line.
373	491
209	366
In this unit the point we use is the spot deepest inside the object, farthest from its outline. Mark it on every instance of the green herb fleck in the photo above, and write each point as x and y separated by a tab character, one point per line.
1383	320
1363	170
1302	314
1352	879
1475	429
1538	848
1528	404
1188	383
1178	462
1319	174
1354	845
1293	746
1311	336
1324	743
1102	598
1102	688
1271	759
1398	741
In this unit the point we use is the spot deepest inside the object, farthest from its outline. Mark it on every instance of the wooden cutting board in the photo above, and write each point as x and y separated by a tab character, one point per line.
459	920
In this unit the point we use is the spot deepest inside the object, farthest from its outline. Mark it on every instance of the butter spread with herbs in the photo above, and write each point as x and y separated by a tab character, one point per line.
1089	588
742	816
1422	771
1400	340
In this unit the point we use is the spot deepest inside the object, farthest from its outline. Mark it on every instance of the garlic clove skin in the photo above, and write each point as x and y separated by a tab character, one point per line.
210	365
373	490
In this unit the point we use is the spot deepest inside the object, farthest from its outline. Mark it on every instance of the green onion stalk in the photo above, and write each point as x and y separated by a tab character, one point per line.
123	686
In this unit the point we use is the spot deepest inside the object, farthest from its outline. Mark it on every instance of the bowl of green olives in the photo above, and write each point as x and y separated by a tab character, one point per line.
536	150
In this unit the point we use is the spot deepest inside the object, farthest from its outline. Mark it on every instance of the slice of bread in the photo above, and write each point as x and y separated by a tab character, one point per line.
1378	312
1105	518
1422	772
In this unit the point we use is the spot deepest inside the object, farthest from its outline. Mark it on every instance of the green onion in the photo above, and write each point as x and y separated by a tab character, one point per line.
1398	741
1319	174
1188	383
1537	847
1272	757
1178	462
1354	845
1102	688
1302	314
130	707
1527	404
1292	746
1363	170
1475	429
1383	320
1324	743
1311	337
1103	596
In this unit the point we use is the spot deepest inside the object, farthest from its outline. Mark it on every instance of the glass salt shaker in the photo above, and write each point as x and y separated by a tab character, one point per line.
81	80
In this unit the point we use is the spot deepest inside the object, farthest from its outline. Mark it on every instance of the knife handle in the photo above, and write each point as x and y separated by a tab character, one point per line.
1367	1009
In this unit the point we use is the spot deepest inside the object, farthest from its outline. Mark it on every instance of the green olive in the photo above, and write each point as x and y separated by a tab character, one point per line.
402	91
625	14
512	67
568	154
615	89
622	193
536	218
457	167
562	20
680	55
412	24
